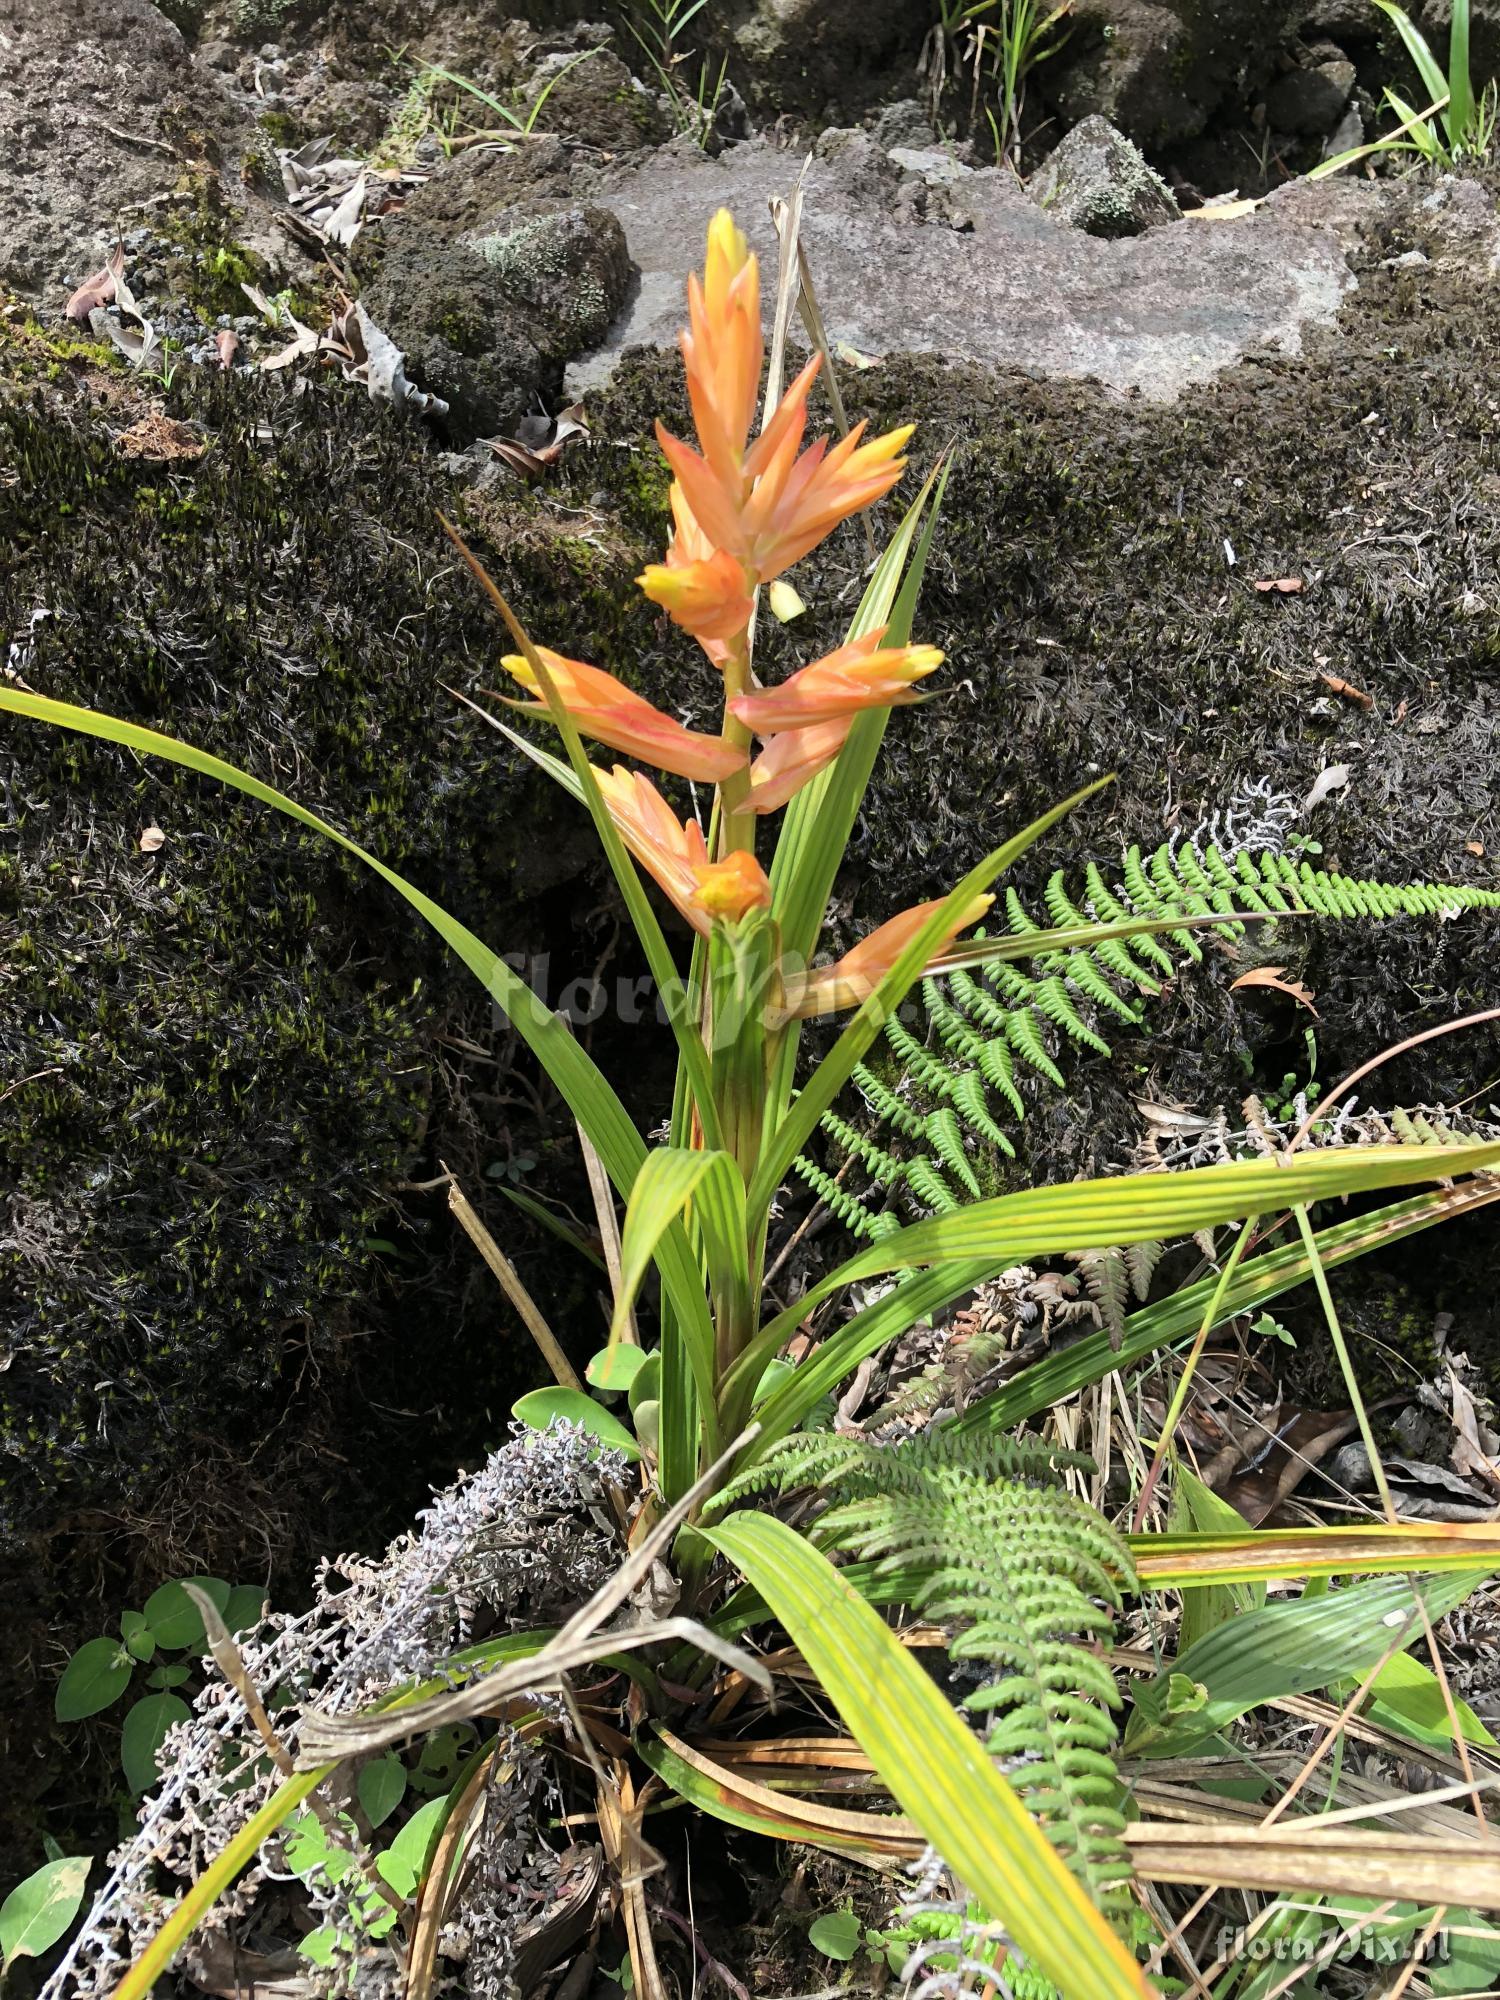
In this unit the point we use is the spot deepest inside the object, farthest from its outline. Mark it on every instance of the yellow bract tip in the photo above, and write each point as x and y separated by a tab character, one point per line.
519	669
726	243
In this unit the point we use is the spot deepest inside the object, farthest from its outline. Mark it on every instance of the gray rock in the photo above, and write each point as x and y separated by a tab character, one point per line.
1149	314
904	124
1310	102
930	163
101	110
1097	181
1347	134
490	302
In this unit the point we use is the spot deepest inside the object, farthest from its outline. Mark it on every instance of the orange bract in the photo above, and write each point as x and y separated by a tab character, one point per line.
791	759
612	713
860	675
703	589
857	974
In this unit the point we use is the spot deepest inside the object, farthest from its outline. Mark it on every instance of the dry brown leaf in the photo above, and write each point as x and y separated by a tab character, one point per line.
1282	586
1469	1455
1474	847
1348	690
306	342
160	439
1258	1487
98	290
1274	975
152	839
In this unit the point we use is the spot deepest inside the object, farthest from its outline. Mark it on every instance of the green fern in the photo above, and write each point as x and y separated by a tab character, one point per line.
958	1083
995	1544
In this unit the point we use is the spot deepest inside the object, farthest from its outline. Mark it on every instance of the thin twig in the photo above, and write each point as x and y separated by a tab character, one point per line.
510	1283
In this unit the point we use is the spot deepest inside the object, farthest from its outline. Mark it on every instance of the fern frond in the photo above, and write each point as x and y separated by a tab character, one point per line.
980	1027
945	1136
856	1218
928	1185
885	1104
997	1545
1107	1283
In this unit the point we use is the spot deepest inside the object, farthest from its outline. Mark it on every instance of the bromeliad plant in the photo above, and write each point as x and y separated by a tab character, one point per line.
698	1208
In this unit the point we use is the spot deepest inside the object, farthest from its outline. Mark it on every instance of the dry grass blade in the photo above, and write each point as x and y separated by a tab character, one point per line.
609	1225
1305	1857
877	1838
620	1823
328	1738
432	1902
1272	1553
787	216
510	1283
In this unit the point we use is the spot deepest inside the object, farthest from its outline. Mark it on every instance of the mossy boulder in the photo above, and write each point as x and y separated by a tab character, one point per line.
1097	181
489	303
219	1037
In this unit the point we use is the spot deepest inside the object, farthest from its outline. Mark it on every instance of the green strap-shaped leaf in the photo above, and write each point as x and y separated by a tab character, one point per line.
672	1178
581	1082
932	1762
1290	1647
1132	1208
1063	1371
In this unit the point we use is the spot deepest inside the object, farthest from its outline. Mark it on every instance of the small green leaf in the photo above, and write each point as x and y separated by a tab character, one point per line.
141	1739
404	1861
37	1911
836	1935
615	1368
173	1616
646	1388
246	1605
305	1844
168	1677
98	1673
442	1754
321	1945
382	1787
777	1372
1270	1328
140	1640
539	1408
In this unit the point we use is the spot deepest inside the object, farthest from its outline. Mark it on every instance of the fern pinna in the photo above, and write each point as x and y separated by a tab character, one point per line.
982	1533
917	1144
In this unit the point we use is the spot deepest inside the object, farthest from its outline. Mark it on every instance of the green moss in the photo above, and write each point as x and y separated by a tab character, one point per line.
27	346
226	1045
210	267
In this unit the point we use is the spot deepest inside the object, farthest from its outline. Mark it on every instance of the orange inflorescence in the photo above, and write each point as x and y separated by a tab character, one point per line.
743	511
